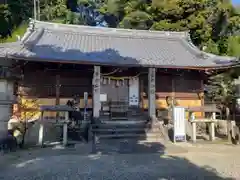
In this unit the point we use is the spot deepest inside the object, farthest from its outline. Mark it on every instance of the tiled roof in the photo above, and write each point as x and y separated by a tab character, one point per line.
108	46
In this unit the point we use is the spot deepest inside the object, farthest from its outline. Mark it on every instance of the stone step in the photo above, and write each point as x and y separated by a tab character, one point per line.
131	146
123	125
121	130
110	130
130	135
119	118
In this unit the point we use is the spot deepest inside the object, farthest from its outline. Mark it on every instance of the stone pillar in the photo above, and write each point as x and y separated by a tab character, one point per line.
6	102
96	92
151	93
194	132
65	129
41	131
212	131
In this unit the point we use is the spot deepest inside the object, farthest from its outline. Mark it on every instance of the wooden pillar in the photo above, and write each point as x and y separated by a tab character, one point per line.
96	91
201	96
151	93
173	87
57	94
142	94
58	85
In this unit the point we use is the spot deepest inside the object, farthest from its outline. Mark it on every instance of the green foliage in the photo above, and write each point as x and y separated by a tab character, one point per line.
212	47
164	25
207	20
221	89
5	20
54	10
137	20
233	48
12	17
19	31
73	18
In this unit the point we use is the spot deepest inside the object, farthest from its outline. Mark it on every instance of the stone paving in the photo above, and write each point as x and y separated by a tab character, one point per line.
183	161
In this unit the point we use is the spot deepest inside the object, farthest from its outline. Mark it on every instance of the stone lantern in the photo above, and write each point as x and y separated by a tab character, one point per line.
237	100
7	98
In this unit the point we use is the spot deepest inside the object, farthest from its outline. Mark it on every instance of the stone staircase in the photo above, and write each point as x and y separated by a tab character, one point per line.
125	131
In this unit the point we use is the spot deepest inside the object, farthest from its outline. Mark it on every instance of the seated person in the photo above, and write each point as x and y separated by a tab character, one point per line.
17	127
74	116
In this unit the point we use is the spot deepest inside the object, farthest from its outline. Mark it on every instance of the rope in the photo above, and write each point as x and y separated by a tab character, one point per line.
113	72
121	78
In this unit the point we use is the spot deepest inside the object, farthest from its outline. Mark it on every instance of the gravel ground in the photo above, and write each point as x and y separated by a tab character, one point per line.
195	162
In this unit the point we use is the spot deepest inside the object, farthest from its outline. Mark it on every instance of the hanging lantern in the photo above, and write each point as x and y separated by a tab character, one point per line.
133	80
123	83
130	81
117	83
104	81
113	83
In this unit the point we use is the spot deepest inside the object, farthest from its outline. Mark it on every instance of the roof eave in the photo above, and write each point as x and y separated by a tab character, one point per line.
208	56
86	62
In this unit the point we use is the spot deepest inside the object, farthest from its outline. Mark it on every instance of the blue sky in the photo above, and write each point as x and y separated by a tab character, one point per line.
236	1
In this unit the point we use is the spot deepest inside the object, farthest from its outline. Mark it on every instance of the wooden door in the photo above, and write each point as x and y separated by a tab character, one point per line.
115	92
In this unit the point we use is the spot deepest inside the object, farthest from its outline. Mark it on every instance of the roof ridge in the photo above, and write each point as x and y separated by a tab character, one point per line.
133	36
99	30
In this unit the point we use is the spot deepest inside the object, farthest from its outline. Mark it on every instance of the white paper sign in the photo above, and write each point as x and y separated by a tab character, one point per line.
134	92
103	97
179	124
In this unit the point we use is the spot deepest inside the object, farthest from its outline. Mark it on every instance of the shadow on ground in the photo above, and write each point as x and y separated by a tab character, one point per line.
114	159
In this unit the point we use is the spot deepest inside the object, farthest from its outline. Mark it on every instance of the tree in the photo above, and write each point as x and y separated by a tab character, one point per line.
73	18
5	21
137	20
54	10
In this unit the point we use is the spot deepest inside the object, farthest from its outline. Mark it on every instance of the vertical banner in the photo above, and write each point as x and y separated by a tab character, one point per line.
85	97
134	92
179	124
